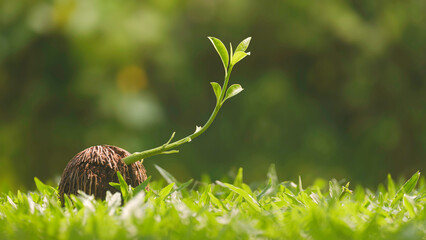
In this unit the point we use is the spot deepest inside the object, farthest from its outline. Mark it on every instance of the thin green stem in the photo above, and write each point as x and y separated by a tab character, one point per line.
225	85
168	147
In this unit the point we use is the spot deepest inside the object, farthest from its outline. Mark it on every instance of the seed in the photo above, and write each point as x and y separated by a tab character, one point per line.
94	168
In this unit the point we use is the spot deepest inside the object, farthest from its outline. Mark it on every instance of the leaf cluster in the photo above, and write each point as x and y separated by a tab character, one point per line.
229	60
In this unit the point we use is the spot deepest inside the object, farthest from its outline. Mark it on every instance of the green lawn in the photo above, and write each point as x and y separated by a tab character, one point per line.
220	210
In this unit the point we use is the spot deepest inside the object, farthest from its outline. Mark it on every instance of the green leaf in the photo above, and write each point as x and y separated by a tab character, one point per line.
11	202
272	174
203	199
391	187
300	188
184	185
231	52
266	190
409	205
233	90
345	191
20	197
217	89
141	186
293	199
115	185
217	202
238	181
68	204
221	50
43	188
165	191
124	188
406	188
238	56
334	189
166	175
243	45
249	199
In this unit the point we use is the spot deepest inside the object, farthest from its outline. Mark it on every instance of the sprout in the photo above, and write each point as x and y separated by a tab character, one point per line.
93	169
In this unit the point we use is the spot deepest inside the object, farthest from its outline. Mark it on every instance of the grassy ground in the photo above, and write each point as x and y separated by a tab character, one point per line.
220	210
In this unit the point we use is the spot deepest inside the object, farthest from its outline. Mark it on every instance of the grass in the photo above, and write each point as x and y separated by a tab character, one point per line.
220	210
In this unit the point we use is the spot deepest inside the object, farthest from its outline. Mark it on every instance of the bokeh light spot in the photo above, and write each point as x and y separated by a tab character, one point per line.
132	79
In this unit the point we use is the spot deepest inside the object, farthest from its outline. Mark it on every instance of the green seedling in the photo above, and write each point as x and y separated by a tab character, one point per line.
222	93
92	170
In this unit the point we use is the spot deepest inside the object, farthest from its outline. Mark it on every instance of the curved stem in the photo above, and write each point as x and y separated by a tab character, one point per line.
168	147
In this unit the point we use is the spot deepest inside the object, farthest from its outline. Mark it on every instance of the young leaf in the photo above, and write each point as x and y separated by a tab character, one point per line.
231	52
165	191
115	185
141	186
221	50
233	90
243	45
217	89
238	56
124	188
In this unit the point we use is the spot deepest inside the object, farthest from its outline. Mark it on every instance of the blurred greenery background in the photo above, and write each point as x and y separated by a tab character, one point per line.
333	88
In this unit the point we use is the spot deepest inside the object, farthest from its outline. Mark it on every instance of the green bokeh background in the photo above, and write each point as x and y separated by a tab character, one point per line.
333	88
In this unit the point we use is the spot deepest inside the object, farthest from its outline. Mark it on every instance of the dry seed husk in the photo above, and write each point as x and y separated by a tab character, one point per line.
94	168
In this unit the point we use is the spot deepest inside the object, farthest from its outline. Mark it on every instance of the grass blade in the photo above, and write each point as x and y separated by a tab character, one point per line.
391	187
141	186
165	191
265	191
406	188
238	181
184	185
124	188
166	175
250	200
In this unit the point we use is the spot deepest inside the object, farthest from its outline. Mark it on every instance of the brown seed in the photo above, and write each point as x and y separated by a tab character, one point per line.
94	168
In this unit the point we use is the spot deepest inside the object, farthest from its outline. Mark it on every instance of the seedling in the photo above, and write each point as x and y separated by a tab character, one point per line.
94	168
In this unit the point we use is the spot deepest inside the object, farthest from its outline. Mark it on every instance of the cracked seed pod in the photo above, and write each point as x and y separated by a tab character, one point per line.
94	168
